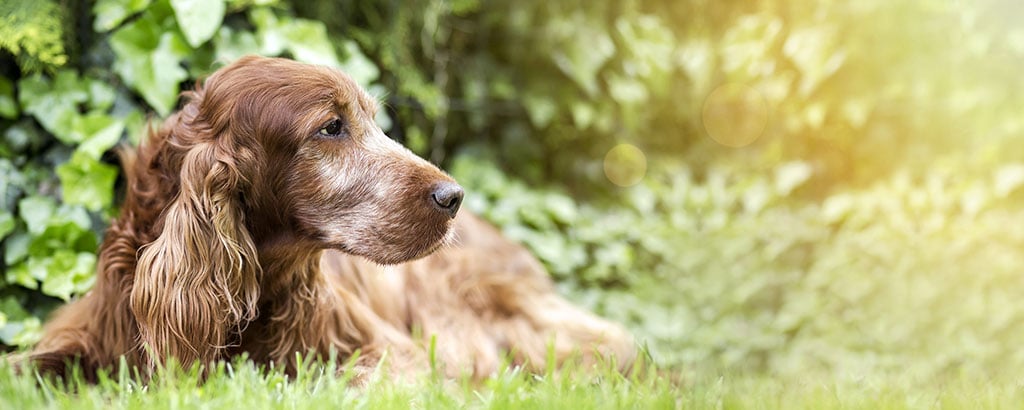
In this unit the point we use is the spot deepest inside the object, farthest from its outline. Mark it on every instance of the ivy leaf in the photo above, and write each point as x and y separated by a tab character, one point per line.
69	229
8	105
270	31
23	274
541	109
358	66
626	90
26	333
16	248
111	13
232	45
36	211
11	180
19	326
54	104
149	60
306	40
101	94
6	224
68	273
87	181
581	50
561	207
198	19
101	133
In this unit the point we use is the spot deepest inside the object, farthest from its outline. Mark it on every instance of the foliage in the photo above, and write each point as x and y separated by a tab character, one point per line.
914	275
33	32
854	89
821	187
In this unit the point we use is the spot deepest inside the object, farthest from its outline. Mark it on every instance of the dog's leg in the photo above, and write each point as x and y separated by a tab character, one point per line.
487	295
547	324
480	316
89	333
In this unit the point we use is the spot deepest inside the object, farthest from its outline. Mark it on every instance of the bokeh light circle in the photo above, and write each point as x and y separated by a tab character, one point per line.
625	165
735	115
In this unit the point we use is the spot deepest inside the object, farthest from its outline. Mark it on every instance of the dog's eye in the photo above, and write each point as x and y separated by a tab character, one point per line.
332	129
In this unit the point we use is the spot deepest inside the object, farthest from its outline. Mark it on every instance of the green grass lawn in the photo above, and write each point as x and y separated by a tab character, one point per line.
242	386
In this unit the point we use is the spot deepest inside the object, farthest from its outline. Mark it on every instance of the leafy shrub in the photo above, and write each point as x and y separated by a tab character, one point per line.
862	221
33	32
915	275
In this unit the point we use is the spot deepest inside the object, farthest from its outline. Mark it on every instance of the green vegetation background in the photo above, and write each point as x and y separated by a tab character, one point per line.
858	211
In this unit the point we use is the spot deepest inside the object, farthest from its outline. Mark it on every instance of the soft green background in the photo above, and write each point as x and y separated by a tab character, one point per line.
817	187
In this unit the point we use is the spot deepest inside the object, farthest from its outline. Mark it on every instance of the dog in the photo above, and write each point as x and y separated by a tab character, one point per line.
271	217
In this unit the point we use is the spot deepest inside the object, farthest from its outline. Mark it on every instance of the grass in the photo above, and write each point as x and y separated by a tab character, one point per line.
243	386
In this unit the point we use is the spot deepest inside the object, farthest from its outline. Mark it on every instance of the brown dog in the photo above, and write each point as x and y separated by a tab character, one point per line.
260	218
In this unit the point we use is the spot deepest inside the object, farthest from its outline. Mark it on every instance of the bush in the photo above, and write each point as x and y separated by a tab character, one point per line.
914	275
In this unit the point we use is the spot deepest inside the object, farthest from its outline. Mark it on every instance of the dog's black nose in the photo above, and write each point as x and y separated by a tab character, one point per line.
447	198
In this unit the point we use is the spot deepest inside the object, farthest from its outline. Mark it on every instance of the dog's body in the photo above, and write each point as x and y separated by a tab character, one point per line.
271	217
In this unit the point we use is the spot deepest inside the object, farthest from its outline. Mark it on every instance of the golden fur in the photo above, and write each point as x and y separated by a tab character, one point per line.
249	227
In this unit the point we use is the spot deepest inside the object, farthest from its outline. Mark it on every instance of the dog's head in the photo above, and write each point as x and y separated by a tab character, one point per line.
319	166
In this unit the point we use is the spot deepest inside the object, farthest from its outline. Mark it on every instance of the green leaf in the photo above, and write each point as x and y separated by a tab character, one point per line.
626	90
33	33
21	274
101	133
8	105
36	211
269	29
583	115
68	229
54	103
111	13
16	247
13	309
580	49
198	19
101	94
19	326
22	333
233	44
540	108
358	66
68	273
306	40
149	60
88	182
6	224
562	208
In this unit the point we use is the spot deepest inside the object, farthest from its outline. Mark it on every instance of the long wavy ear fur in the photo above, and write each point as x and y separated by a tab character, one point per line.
197	284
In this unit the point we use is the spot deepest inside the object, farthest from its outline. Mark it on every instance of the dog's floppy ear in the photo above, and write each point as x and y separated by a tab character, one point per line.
198	282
